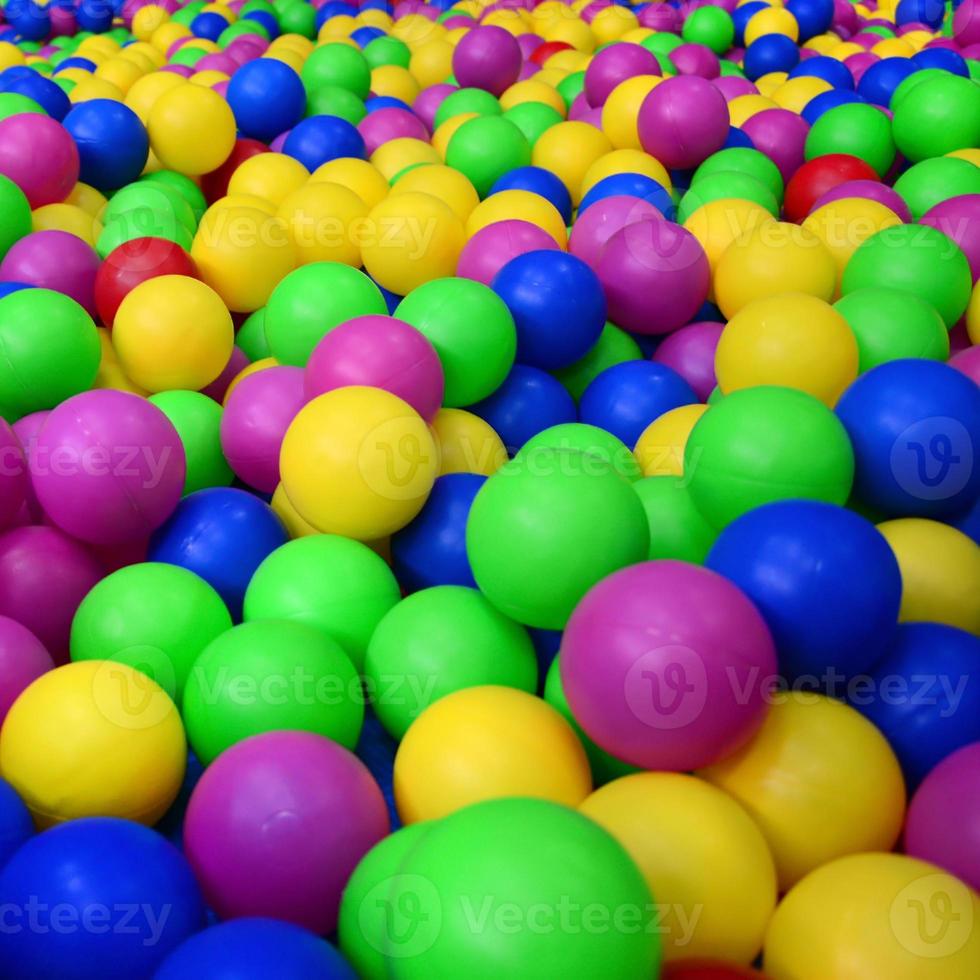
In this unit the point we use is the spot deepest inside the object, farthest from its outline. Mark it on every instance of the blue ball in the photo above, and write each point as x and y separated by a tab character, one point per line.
944	59
928	12
363	36
826	101
528	402
221	534
630	185
738	138
95	899
6	288
209	25
538	181
813	16
267	98
112	143
879	82
334	8
319	139
266	20
915	428
76	61
50	96
825	580
16	825
377	102
771	52
432	549
31	21
558	306
94	15
625	398
253	949
925	695
741	17
829	69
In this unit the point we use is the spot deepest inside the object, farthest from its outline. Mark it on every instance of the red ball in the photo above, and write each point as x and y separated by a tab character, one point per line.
544	51
133	262
708	970
215	184
819	175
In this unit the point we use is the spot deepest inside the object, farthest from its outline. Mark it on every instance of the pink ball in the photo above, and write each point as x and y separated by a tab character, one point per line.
660	17
579	108
695	59
218	61
667	665
236	363
276	825
683	121
781	135
529	43
427	102
489	58
732	86
690	351
255	420
26	429
966	23
602	220
615	64
185	71
959	219
384	125
857	64
874	190
845	16
22	660
44	575
655	276
943	824
108	466
54	260
279	142
493	246
13	476
39	156
967	360
378	352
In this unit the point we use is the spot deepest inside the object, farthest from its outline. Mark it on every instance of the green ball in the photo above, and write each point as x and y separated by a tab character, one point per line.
188	55
298	18
197	420
267	676
150	196
726	67
337	64
936	116
51	351
467	100
890	325
332	100
184	186
387	51
759	445
139	223
743	160
605	766
677	528
520	888
262	5
710	26
152	616
916	259
185	15
486	148
716	395
15	104
661	42
571	86
240	28
858	130
614	346
15	214
724	185
930	182
335	584
312	300
585	439
439	641
546	527
251	337
472	331
533	119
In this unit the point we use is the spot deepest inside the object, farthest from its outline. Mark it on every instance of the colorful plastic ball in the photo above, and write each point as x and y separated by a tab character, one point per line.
493	246
521	205
569	149
683	121
39	156
537	181
631	184
191	129
959	218
589	439
488	58
940	114
819	175
612	66
335	814
754	447
267	98
54	260
486	148
614	346
690	351
23	659
781	135
112	142
879	82
16	213
16	825
677	528
770	53
197	419
337	64
932	182
320	139
861	131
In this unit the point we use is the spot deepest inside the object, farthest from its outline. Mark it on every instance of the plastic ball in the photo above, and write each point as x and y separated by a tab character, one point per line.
486	148
337	64
589	439
191	129
683	121
39	156
16	825
112	142
449	185
321	139
769	53
487	57
568	149
267	98
781	135
493	246
24	659
660	449
537	181
322	221
16	214
959	218
819	175
690	351
270	177
54	260
467	444
521	205
931	182
939	114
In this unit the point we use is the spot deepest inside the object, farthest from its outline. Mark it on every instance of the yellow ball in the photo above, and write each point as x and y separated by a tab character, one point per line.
940	569
483	743
123	74
612	22
273	176
94	738
365	180
795	93
192	129
95	88
625	162
744	107
790	339
242	201
110	373
707	864
208	78
531	90
773	257
768	84
844	50
295	525
337	28
10	55
775	20
242	254
67	217
432	62
414	29
410	239
573	32
445	132
521	206
971	154
260	365
324	222
466	443
395	81
87	198
449	185
973	315
893	47
568	150
288	57
393	157
660	448
166	34
620	110
568	61
820	781
359	462
173	332
144	93
876	916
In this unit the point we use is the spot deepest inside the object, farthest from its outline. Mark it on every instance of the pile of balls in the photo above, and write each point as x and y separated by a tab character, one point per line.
489	489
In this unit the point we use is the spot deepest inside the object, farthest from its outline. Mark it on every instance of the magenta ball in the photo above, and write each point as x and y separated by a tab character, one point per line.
22	659
665	665
845	16
655	276
857	64
427	102
218	61
378	352
660	17
54	260
384	125
493	246
615	64
966	23
529	43
279	142
732	86
14	482
276	825
602	220
683	121
44	575
967	361
690	351
255	420
873	190
695	59
236	363
108	466
579	108
959	219
487	57
26	429
39	156
943	824
781	135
